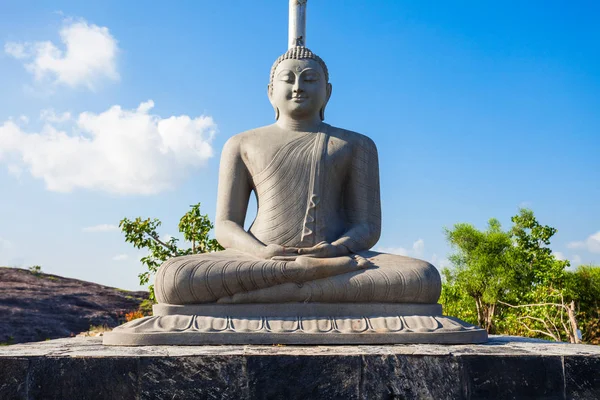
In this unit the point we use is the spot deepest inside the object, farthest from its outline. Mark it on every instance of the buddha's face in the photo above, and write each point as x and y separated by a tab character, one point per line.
299	88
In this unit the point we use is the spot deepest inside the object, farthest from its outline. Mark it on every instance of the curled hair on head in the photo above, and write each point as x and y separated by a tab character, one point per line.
298	53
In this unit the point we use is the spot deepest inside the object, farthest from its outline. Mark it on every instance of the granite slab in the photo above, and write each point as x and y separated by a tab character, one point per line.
503	368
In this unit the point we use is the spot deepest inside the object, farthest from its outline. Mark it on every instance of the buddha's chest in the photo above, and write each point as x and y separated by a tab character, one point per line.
298	154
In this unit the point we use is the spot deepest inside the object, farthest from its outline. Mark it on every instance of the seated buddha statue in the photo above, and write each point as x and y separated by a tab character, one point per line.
318	212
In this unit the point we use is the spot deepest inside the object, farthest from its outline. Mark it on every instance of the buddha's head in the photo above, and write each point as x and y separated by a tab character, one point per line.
299	85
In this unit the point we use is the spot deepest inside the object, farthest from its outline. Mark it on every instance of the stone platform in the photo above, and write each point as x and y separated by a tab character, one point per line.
502	368
295	323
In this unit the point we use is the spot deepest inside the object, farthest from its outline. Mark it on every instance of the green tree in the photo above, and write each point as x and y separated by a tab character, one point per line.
142	234
510	280
536	269
538	302
584	286
481	261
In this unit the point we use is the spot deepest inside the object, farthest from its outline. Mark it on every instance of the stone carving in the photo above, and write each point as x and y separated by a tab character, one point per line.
197	330
307	323
317	190
319	212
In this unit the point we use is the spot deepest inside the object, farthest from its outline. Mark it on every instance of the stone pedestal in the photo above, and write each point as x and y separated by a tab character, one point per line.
502	368
295	323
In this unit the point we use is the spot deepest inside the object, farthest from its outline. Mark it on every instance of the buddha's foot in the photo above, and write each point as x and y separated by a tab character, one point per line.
317	268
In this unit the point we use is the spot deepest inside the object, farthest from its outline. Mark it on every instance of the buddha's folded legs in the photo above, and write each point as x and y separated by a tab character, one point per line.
392	279
205	278
230	277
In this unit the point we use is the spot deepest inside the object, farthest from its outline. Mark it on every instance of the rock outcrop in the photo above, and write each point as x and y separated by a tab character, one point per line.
38	306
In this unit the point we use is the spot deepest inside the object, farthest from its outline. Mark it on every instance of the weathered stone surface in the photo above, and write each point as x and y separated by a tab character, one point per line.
504	367
582	377
211	377
411	377
539	377
41	306
13	378
83	378
296	323
304	377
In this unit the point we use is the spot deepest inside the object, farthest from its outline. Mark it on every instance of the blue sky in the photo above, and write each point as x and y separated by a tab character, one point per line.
112	109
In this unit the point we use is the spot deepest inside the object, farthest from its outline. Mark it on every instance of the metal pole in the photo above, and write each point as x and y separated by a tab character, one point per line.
297	25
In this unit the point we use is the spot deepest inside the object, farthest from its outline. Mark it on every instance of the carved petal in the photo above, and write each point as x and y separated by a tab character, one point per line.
247	324
283	324
316	324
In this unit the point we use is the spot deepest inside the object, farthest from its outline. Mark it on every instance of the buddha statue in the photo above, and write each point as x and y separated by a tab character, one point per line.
318	214
304	272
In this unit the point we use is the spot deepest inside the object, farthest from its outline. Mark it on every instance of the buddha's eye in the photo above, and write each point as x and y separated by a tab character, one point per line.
287	77
311	78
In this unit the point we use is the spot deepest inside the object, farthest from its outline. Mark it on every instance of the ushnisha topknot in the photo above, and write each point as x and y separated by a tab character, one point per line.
298	53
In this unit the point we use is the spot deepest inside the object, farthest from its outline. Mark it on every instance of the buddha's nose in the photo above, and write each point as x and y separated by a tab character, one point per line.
297	88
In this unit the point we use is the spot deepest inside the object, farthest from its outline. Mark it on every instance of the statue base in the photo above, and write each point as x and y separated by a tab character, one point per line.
295	323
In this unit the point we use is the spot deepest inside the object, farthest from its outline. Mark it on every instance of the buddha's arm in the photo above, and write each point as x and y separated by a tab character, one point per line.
232	201
361	199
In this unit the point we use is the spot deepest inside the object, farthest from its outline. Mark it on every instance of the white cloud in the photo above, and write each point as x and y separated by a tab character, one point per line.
576	259
417	249
443	263
17	50
591	244
89	55
576	245
559	255
20	120
117	151
101	228
49	115
434	259
120	257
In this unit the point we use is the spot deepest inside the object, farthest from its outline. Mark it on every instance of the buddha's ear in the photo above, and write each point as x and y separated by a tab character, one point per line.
327	96
270	95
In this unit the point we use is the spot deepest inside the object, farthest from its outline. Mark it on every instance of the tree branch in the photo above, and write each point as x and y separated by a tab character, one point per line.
156	239
531	305
537	330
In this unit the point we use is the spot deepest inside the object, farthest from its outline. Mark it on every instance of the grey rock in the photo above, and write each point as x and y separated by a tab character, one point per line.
13	378
582	377
83	378
502	368
41	306
411	377
513	377
211	377
304	377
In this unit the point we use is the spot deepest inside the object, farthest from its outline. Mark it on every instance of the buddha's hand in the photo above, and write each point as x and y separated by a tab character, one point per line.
278	252
324	250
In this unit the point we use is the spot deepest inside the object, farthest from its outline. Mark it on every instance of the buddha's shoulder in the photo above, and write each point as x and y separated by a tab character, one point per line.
354	138
250	136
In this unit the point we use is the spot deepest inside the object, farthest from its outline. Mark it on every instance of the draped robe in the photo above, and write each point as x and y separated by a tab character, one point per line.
307	194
